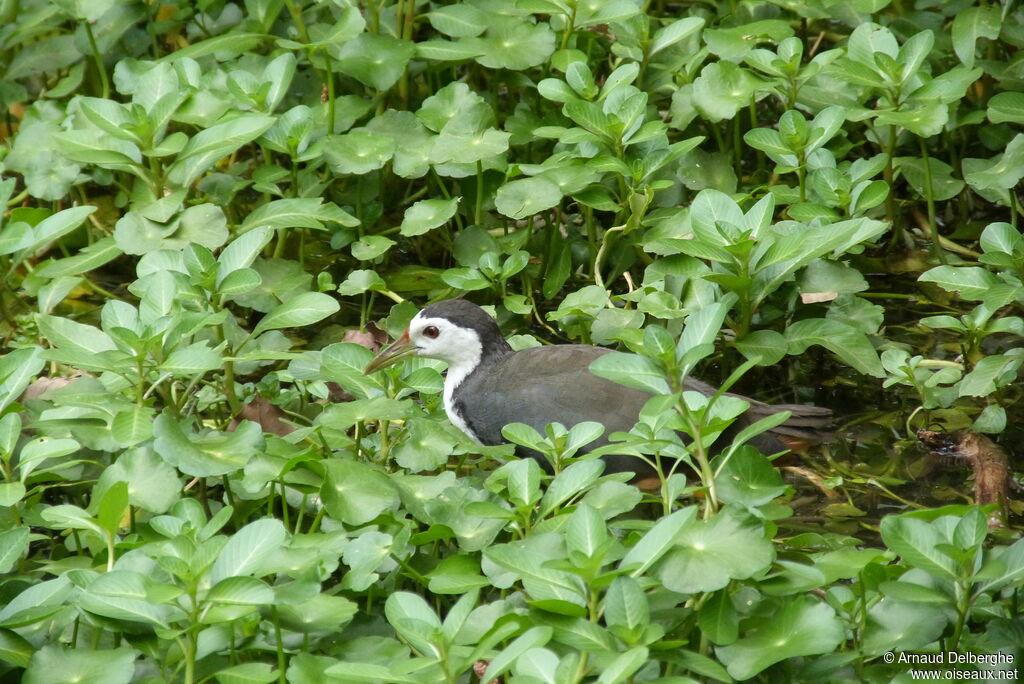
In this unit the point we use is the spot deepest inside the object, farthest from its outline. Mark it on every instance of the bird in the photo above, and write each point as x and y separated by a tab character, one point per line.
488	386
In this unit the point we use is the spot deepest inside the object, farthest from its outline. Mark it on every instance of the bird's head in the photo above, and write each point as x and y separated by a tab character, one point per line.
455	331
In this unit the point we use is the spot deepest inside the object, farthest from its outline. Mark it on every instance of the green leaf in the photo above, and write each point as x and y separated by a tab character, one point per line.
47	593
969	282
1003	567
465	279
970	24
303	309
823	127
562	590
242	251
208	454
625	604
631	370
678	30
426	215
321	614
49	54
11	493
414	620
899	626
356	493
350	24
447	103
989	374
708	554
14	649
459	21
88	258
943	185
153	485
13	545
344	362
370	247
1006	108
823	276
42	448
722	89
360	281
58	225
768	347
624	666
427	446
748	479
192	360
204	224
240	282
770	142
58	664
450	50
375	59
572	480
367	672
121	595
1001	237
86	147
537	665
247	673
214	143
581	80
916	541
800	626
585	533
299	212
457	575
1001	172
469	138
848	343
248	549
511	43
112	507
534	637
718	618
70	517
17	369
702	328
991	420
231	43
924	118
733	43
357	152
657	541
581	634
241	590
10	431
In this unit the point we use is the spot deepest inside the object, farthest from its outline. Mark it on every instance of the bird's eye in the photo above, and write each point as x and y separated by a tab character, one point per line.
431	331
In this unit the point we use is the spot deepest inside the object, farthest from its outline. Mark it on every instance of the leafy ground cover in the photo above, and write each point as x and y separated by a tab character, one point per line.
215	211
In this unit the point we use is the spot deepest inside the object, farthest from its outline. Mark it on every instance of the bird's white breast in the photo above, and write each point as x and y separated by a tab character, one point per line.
451	383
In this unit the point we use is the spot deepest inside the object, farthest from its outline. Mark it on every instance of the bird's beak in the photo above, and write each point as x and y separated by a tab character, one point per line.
400	349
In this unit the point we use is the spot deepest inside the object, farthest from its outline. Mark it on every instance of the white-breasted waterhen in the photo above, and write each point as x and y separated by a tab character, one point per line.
489	386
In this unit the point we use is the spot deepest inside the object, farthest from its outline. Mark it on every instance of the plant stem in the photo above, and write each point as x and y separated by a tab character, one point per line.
478	210
98	58
300	23
281	662
929	195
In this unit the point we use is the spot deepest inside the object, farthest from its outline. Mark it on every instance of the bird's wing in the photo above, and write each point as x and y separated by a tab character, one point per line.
545	385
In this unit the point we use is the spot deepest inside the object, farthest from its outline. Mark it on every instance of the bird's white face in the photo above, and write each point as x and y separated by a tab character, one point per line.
439	338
